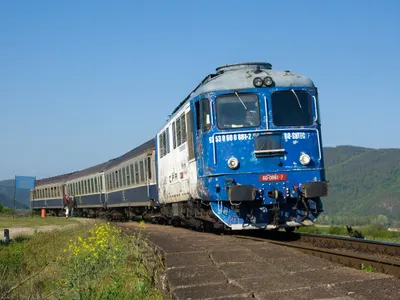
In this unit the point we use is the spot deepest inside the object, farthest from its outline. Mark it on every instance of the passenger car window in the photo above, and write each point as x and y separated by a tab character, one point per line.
181	130
141	171
123	177
136	172
167	140
149	167
173	135
132	176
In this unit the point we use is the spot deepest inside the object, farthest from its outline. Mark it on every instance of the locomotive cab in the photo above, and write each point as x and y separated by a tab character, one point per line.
258	147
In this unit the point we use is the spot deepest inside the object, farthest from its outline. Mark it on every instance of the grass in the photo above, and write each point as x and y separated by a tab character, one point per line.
370	232
95	261
7	221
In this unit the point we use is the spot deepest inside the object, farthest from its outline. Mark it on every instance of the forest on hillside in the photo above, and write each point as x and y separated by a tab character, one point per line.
364	183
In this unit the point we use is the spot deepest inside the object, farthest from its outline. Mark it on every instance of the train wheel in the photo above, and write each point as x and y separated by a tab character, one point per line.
175	222
207	226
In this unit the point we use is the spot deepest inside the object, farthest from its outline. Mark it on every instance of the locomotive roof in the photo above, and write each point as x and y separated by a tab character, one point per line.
241	76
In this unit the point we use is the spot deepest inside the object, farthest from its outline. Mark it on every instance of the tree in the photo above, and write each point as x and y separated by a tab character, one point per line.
381	221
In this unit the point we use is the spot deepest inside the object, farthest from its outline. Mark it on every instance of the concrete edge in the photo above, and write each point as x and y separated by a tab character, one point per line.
162	284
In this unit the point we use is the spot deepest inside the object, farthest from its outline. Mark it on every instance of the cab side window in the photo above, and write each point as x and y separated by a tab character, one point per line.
205	114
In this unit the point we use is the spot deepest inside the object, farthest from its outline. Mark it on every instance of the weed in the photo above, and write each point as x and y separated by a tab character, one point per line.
91	262
354	233
367	268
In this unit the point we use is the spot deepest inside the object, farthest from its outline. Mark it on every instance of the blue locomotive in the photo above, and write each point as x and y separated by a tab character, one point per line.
243	151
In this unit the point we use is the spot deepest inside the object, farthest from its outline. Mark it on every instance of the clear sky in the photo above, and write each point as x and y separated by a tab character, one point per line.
85	81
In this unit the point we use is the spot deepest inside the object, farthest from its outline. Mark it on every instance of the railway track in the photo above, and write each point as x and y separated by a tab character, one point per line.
356	253
365	246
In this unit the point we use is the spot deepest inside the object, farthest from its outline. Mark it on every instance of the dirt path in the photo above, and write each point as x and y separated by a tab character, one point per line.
16	231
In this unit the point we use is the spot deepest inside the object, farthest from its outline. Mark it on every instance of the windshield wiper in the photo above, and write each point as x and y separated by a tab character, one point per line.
298	100
245	107
240	99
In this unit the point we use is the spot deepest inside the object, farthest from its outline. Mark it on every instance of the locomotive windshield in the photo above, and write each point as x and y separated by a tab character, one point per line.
291	108
237	111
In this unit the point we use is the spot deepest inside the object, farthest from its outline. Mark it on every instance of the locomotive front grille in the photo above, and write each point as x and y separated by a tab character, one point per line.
270	144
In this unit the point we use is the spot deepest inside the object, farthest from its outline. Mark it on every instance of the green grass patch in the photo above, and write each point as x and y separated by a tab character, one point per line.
90	262
7	221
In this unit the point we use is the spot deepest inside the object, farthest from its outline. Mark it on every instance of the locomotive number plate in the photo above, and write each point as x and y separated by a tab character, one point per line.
273	177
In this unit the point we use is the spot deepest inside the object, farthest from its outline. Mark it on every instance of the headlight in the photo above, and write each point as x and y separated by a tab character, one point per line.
305	159
268	81
233	163
258	82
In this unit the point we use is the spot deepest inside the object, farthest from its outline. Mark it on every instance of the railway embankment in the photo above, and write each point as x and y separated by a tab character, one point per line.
207	266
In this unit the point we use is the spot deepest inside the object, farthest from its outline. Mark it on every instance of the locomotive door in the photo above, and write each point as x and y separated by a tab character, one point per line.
64	192
203	125
148	174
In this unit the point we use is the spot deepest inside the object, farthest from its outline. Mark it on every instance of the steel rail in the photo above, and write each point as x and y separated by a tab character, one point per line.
388	248
349	259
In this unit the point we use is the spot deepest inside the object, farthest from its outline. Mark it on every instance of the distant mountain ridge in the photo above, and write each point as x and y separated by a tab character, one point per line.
362	181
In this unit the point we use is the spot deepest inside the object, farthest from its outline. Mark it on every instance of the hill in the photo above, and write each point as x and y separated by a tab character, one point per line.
363	181
7	188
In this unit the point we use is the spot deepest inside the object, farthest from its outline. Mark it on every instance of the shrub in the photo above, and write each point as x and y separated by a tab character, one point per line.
108	264
336	230
95	262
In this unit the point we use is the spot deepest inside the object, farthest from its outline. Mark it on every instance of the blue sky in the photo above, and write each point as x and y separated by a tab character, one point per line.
84	81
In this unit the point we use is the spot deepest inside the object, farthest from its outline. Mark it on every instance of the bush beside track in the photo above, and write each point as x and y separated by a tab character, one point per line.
96	261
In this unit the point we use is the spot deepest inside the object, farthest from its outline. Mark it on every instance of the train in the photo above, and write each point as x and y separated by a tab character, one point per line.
242	151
